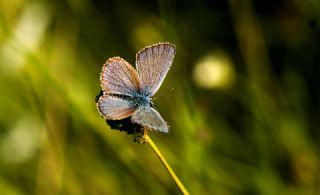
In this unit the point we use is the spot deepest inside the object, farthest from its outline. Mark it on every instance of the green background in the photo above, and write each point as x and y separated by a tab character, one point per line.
241	99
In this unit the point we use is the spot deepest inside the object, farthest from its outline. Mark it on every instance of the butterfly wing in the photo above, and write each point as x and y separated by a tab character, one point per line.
115	108
148	117
153	63
119	77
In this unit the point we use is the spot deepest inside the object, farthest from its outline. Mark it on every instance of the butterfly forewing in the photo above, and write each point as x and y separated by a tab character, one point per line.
148	117
115	108
153	64
119	77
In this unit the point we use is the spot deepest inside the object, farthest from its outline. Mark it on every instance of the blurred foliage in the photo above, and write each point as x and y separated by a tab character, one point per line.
242	97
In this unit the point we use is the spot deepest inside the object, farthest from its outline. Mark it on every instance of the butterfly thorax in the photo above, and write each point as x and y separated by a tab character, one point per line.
141	100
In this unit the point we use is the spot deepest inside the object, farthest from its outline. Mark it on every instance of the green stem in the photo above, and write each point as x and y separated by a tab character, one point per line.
166	165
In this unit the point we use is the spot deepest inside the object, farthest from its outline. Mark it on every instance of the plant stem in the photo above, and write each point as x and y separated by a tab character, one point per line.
166	165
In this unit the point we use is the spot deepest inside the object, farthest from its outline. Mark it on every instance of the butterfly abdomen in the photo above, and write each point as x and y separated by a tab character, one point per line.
136	99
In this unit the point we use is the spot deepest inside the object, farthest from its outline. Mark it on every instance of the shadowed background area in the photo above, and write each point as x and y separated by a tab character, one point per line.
241	99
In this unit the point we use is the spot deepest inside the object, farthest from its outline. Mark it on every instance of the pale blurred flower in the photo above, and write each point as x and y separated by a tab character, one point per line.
21	142
214	71
148	32
26	37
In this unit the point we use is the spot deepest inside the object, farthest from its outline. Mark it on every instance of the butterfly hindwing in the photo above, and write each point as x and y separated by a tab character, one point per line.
115	108
149	117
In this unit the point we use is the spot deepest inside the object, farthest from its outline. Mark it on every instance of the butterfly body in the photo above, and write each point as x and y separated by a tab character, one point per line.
136	99
141	100
128	92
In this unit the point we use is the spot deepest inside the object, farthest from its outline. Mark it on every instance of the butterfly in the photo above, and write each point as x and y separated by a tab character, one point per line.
127	92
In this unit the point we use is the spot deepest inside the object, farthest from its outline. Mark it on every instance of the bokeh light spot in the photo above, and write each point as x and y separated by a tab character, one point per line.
214	71
21	142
